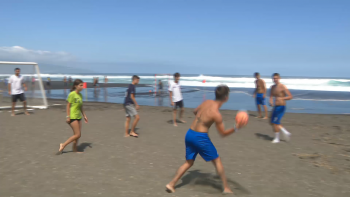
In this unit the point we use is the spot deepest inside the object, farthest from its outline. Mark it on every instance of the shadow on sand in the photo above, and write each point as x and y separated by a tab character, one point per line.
198	178
264	137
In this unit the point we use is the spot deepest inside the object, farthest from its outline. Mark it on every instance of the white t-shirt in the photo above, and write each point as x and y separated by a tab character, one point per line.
16	84
176	90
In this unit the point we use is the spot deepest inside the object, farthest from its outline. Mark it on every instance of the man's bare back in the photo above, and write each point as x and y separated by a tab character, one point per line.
205	116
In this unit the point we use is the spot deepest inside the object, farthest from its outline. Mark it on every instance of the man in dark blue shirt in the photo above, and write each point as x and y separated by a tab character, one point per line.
131	107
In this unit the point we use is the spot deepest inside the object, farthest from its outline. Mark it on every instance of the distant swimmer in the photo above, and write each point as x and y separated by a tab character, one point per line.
131	107
260	94
197	140
281	94
176	98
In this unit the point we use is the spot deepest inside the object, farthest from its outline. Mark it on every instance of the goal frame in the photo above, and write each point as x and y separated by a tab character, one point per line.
155	82
37	70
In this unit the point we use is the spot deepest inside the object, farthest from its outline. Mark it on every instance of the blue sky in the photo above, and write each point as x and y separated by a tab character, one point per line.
293	37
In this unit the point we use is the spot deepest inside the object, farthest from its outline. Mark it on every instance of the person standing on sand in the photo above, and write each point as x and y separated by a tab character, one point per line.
176	98
106	81
75	113
15	89
70	81
131	107
281	94
198	141
260	94
160	87
65	85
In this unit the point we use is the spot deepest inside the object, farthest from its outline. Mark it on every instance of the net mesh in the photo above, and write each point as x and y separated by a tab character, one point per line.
34	95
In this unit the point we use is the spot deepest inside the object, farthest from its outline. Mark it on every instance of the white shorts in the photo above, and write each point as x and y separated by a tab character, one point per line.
130	110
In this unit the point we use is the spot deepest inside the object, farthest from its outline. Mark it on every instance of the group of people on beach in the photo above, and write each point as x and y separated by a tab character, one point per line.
206	114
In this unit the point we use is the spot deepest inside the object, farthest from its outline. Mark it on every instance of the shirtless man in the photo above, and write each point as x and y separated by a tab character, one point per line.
281	94
198	141
260	94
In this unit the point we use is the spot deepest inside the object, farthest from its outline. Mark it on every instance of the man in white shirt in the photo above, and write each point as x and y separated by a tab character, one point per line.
15	84
176	98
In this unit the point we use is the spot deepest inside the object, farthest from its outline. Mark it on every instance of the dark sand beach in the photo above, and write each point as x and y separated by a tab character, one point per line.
316	162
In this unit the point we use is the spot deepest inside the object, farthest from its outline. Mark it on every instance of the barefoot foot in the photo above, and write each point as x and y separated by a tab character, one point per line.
182	121
60	150
13	114
265	118
26	113
227	191
133	134
169	189
127	135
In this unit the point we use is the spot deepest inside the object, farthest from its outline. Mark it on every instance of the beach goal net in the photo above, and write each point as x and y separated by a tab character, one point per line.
161	84
35	93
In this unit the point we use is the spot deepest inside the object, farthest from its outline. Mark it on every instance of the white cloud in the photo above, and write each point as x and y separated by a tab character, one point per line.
18	53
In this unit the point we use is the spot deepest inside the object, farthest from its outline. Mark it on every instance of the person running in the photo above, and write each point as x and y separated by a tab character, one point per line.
197	140
15	88
260	94
75	113
131	107
176	99
281	94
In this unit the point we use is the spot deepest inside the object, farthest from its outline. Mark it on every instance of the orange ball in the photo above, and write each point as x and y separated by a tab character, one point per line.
242	118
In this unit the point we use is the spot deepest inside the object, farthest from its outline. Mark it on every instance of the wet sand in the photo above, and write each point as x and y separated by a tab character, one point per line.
316	162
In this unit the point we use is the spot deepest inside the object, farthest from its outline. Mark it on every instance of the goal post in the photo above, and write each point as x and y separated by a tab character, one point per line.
35	94
165	79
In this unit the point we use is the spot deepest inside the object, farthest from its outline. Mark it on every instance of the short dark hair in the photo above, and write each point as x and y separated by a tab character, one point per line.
177	75
135	77
256	74
221	92
17	69
276	75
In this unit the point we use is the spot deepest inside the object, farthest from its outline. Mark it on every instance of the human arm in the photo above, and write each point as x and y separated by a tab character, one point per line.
265	89
256	89
171	94
220	126
287	92
271	97
84	115
196	110
9	85
24	85
68	111
132	96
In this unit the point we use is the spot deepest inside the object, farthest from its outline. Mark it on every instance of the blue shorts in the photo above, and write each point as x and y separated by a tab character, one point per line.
277	114
260	100
197	142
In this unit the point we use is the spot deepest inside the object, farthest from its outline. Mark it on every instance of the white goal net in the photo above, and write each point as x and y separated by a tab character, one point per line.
35	93
161	84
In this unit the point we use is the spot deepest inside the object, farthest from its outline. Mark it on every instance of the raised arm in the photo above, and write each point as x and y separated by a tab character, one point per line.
287	92
220	126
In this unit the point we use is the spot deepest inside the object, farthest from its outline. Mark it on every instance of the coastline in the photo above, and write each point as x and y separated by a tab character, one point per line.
111	164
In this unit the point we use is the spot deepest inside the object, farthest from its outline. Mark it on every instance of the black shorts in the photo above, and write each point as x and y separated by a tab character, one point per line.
21	97
179	104
72	120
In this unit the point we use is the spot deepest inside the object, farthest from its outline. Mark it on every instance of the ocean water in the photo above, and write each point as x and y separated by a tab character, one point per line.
311	95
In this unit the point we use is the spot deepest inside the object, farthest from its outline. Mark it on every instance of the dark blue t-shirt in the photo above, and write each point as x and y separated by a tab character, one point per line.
129	91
